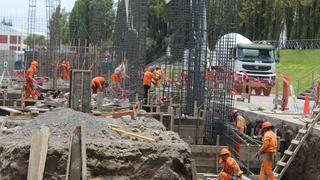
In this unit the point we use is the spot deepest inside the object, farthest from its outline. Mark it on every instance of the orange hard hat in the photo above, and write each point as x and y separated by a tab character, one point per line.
266	124
34	63
225	151
234	111
149	69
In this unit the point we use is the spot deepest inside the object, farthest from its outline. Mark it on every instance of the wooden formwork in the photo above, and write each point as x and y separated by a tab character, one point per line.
80	90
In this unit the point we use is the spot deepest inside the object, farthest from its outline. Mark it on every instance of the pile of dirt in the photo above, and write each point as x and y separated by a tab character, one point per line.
109	154
306	163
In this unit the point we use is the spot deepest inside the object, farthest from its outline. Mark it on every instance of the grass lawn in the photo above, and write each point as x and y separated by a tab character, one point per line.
299	65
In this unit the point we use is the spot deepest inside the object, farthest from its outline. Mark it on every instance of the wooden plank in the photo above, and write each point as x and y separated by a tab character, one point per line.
83	152
171	119
193	170
80	90
76	167
38	153
120	114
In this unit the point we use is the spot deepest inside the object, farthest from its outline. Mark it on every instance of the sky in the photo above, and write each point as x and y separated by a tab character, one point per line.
17	12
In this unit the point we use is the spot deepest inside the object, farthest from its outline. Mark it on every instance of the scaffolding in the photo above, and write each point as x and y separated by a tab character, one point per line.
220	97
130	42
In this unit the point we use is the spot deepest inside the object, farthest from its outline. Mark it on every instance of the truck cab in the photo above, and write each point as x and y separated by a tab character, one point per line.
257	62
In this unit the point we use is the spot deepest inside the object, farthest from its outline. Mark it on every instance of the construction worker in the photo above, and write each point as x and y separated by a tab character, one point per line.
147	80
157	76
268	149
29	90
64	70
119	72
231	169
240	124
98	84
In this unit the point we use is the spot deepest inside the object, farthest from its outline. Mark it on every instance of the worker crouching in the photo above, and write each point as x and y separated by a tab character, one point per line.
231	169
29	90
98	84
268	149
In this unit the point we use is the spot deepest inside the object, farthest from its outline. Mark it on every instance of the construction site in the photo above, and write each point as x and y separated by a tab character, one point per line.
157	89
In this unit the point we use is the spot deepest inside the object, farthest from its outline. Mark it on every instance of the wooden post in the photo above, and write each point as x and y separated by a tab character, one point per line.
80	90
38	153
76	166
193	170
148	99
99	101
195	109
171	118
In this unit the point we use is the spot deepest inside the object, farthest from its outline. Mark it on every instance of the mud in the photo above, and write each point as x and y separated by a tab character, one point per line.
109	155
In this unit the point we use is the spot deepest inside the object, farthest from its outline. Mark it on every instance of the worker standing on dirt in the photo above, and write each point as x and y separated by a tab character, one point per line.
268	149
231	169
98	84
240	124
29	90
147	80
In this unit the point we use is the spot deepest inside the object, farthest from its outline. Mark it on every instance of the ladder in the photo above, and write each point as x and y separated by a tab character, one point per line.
289	154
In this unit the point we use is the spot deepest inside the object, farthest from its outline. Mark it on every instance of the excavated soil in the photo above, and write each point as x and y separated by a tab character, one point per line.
305	165
110	155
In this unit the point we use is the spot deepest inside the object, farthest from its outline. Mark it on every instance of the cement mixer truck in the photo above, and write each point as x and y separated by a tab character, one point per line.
254	63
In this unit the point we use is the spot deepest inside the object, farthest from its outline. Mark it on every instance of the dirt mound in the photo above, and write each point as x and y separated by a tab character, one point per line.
109	155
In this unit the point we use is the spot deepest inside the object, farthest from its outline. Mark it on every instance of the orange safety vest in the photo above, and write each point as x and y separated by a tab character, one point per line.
270	144
30	73
98	82
147	79
230	166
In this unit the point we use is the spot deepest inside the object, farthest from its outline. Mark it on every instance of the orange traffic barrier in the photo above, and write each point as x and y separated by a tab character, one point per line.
306	108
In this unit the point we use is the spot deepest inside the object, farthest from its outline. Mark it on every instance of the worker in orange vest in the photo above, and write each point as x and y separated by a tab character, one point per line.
231	169
29	90
157	76
64	70
147	80
268	149
240	124
98	84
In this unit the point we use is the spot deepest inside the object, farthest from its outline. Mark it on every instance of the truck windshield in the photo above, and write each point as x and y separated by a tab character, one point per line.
256	54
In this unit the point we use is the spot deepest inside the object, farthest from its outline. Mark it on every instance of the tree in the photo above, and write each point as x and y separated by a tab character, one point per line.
6	22
91	21
36	40
157	29
55	28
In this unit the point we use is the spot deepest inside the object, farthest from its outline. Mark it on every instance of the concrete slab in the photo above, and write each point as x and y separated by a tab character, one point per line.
290	117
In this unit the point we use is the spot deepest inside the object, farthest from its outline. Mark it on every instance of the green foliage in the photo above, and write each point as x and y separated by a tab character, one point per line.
55	28
265	19
299	65
91	20
6	22
157	29
36	40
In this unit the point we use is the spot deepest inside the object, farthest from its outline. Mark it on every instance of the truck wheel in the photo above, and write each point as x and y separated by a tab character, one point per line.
257	91
266	91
